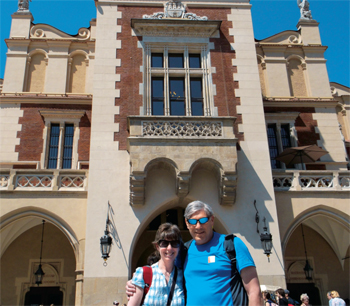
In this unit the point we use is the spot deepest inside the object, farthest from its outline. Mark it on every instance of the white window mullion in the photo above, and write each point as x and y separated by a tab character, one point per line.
60	146
187	82
148	90
166	83
206	82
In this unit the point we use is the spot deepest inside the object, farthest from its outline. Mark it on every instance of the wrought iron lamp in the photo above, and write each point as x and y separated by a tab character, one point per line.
307	269
39	274
106	240
266	241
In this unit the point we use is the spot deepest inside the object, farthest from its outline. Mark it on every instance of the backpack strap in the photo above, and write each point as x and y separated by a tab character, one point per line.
238	292
147	278
230	250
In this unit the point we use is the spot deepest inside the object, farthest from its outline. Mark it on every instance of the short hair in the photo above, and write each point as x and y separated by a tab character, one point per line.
334	294
280	291
329	293
303	297
195	206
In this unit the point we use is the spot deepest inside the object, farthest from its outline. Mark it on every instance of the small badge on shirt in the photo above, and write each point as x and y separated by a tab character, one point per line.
211	259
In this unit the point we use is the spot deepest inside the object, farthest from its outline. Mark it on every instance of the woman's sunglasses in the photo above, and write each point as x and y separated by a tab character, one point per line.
165	243
201	221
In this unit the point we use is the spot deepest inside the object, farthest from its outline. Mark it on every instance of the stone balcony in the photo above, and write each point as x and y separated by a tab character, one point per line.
182	142
66	180
297	180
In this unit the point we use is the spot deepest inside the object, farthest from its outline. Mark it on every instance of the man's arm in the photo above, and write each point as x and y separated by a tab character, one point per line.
252	286
130	289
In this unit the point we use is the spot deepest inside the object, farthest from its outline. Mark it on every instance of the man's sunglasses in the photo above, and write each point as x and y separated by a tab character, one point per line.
165	243
201	221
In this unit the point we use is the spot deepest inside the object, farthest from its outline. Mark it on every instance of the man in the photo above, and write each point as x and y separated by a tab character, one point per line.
207	269
282	301
289	299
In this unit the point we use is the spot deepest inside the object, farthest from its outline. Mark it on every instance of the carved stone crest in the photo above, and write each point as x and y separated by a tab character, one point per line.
174	9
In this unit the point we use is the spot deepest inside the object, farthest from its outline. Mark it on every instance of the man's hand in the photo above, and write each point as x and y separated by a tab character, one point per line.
251	285
130	289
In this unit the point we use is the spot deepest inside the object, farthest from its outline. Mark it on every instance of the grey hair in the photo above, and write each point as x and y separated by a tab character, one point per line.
303	297
195	206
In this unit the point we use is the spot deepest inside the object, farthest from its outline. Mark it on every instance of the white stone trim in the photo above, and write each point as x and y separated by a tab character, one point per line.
61	117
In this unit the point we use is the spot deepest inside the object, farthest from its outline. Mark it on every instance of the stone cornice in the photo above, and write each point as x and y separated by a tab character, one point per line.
189	3
299	102
46	98
175	27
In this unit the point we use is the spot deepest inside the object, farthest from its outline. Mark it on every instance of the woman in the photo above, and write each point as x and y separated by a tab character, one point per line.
336	300
166	243
268	301
304	298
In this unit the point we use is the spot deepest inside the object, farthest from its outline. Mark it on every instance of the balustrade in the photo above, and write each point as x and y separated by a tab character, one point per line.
311	180
43	180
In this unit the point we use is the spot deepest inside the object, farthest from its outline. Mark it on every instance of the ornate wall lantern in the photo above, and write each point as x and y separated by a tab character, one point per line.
266	241
106	240
307	269
39	274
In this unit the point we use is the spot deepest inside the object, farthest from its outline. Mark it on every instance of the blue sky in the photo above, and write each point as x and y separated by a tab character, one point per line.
269	18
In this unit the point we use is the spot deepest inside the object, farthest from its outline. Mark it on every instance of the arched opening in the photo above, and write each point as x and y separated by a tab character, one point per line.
296	78
20	260
327	248
143	244
36	73
77	75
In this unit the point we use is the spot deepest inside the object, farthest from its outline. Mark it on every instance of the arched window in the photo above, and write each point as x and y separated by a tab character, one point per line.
296	78
36	73
261	66
77	74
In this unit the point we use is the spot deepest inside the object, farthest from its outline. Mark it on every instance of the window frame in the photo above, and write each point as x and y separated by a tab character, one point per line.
165	72
62	118
279	120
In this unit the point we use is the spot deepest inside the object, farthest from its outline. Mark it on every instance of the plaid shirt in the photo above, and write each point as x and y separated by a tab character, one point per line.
159	290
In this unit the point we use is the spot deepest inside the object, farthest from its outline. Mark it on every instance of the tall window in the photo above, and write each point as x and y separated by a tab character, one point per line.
177	81
60	147
279	139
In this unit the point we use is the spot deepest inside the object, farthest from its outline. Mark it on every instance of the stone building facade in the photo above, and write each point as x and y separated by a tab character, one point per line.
155	105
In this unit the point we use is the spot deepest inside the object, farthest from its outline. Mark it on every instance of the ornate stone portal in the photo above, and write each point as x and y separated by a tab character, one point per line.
174	9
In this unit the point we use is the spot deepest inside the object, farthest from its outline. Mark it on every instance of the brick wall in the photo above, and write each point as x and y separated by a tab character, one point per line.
31	134
131	57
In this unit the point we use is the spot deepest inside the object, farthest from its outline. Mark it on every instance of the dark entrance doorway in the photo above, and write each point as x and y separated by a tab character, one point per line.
296	290
44	296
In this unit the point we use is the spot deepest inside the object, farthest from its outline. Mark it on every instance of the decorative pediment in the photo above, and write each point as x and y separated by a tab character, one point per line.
175	27
48	32
283	38
174	9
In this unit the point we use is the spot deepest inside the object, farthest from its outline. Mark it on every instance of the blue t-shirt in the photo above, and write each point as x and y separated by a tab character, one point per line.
207	271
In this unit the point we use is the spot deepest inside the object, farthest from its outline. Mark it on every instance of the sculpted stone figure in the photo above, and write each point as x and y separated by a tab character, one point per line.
305	12
23	5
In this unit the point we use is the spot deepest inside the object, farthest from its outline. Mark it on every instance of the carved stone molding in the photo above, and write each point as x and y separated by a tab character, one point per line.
228	189
183	184
174	9
175	27
137	189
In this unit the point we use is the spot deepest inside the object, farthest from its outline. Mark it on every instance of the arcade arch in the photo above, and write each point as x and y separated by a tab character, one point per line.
20	259
326	231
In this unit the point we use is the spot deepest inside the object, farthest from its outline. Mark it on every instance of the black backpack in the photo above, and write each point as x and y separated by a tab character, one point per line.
238	292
